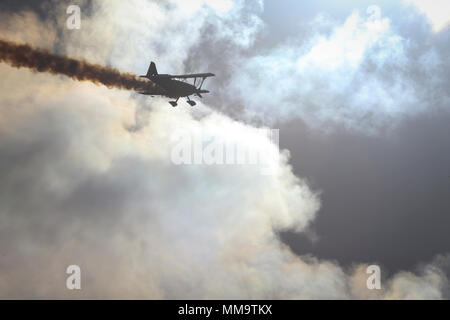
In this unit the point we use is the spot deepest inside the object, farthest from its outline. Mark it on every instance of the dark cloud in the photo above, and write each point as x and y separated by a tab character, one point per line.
44	8
385	199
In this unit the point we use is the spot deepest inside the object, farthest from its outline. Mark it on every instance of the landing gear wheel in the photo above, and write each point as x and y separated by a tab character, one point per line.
192	103
173	103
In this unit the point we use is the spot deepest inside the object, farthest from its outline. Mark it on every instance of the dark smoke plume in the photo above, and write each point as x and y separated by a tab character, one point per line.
24	56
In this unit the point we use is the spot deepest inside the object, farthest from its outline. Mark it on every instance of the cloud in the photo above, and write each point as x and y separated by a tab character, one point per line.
362	73
438	12
426	283
87	179
96	192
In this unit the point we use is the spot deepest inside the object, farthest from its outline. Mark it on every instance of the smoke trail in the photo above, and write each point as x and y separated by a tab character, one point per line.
23	55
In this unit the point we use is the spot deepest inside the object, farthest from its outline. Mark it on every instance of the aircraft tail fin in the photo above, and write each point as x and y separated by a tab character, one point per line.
151	70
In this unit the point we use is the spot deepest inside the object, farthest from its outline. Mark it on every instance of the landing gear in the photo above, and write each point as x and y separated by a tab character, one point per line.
191	103
174	103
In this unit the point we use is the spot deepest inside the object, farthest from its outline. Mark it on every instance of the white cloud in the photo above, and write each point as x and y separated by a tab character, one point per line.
437	11
113	194
359	74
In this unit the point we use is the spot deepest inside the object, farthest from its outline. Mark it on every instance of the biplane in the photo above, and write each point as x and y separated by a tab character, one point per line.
174	86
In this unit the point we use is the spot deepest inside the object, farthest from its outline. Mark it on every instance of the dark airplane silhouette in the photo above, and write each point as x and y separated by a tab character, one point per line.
167	86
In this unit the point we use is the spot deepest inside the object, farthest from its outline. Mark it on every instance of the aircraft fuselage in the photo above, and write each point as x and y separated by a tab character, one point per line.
174	88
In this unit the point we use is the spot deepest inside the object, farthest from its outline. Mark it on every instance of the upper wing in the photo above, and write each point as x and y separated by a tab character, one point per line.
193	75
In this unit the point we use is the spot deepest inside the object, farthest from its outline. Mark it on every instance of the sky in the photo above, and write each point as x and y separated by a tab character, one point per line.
358	91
